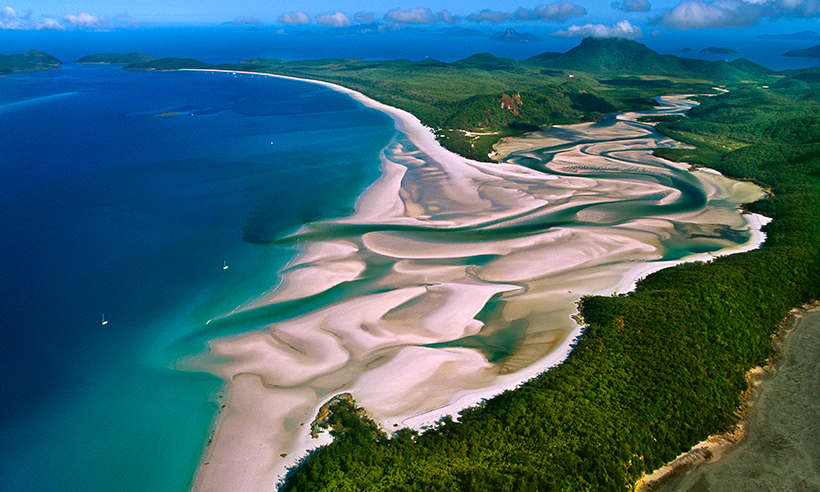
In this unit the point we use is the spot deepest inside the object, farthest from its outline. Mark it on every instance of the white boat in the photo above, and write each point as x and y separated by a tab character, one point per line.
104	321
224	265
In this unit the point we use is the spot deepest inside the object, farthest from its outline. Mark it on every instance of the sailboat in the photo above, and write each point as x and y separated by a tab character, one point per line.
225	265
104	321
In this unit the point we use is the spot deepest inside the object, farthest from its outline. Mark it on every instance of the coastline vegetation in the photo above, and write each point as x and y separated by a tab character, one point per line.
656	370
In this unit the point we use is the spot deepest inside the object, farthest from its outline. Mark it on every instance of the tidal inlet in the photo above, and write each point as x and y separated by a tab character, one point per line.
455	280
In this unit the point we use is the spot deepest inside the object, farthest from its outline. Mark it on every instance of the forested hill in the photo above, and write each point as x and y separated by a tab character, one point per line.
619	57
813	52
499	97
30	60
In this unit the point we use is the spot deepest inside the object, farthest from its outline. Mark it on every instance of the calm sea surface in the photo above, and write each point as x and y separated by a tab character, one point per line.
122	194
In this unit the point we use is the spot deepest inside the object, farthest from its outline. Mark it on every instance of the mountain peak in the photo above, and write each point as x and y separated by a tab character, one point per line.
513	36
617	56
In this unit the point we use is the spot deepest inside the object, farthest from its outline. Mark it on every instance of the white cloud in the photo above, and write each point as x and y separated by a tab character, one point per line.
83	19
124	19
445	17
622	29
364	18
633	6
246	21
699	14
11	20
49	24
418	15
489	16
557	11
336	19
295	18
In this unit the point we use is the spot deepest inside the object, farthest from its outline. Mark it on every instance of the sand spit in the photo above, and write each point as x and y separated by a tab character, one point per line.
444	255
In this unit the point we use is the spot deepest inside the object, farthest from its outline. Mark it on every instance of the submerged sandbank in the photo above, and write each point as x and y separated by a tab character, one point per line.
454	280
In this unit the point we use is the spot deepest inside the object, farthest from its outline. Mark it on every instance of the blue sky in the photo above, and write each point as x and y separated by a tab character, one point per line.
574	18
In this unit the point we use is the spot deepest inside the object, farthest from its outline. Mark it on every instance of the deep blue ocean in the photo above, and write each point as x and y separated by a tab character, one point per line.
122	194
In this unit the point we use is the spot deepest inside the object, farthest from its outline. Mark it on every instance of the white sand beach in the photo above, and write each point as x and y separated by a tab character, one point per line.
441	248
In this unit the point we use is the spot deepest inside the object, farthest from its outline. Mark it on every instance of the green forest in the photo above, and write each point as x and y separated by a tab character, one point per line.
30	60
656	370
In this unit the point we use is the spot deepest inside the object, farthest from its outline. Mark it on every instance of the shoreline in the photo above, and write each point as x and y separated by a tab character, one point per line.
330	263
714	447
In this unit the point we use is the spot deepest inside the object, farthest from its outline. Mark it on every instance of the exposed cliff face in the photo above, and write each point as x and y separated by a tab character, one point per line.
511	103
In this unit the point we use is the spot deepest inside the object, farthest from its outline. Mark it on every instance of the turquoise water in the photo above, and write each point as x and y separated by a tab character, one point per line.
122	194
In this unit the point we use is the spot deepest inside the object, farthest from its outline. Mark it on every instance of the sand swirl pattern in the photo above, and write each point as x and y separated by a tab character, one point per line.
456	279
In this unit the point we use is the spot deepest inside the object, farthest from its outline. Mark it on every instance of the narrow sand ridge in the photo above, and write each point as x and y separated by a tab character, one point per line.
455	280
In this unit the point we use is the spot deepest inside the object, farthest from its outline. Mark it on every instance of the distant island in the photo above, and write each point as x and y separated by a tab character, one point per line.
168	64
513	36
802	35
716	50
114	59
461	32
813	52
30	60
